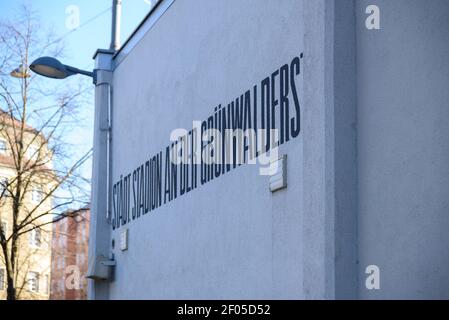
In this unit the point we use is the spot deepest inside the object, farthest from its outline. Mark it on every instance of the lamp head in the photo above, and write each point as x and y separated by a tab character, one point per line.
51	68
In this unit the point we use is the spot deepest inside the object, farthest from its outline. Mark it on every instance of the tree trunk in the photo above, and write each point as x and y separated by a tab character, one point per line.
11	291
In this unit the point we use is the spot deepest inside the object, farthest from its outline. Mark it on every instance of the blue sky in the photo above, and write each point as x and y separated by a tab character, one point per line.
81	43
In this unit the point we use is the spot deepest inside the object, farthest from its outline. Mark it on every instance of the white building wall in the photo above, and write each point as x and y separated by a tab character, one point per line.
231	238
367	176
403	94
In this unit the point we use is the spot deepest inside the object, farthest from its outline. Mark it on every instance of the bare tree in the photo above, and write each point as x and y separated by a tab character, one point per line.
41	176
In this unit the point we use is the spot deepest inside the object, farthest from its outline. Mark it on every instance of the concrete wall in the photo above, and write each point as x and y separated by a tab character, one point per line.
403	129
231	238
367	176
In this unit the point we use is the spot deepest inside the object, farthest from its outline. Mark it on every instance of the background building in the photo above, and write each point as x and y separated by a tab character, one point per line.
70	245
34	248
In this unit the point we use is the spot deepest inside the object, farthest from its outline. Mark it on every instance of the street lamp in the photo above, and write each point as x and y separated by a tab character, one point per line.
52	68
20	72
99	257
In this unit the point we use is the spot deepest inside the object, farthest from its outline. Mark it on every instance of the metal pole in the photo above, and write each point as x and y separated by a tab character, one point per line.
116	24
99	236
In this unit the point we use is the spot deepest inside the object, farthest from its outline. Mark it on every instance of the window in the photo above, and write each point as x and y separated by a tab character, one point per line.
36	195
4	187
2	279
3	146
46	284
32	152
35	238
33	281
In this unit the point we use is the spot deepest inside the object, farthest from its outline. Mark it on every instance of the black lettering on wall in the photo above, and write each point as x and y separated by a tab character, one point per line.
203	146
128	198
247	124
140	192
147	187
265	113
255	117
159	179
218	147
174	176
274	104
121	202
296	120
284	104
194	159
114	206
210	167
135	201
167	193
141	197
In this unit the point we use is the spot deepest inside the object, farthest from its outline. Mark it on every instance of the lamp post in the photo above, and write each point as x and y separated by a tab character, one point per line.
100	254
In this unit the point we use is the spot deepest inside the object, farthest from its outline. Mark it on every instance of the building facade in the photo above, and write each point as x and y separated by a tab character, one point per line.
32	264
351	97
70	245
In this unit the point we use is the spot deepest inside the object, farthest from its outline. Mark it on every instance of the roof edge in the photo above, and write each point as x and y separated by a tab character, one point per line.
138	27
